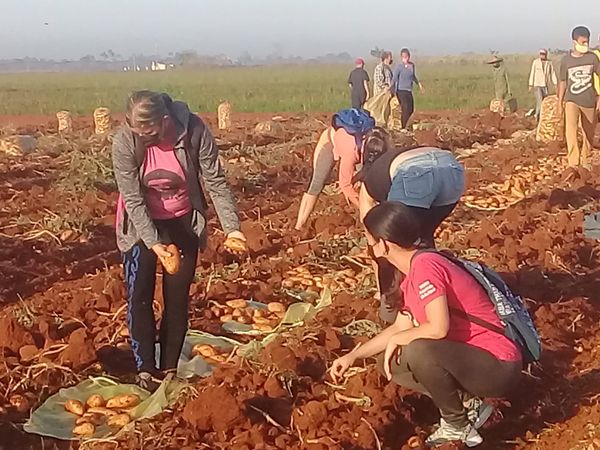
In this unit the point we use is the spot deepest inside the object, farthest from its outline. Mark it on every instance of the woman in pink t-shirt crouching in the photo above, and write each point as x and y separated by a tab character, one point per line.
442	354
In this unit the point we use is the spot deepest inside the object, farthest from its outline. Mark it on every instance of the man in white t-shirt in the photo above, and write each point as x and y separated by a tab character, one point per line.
542	80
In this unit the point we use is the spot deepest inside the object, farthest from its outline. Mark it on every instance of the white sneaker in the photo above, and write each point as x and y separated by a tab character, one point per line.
449	433
478	411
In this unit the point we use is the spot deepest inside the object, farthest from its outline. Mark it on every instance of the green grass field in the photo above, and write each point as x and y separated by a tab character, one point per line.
450	83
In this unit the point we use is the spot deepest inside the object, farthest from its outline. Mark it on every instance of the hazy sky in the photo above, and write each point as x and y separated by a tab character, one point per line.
299	27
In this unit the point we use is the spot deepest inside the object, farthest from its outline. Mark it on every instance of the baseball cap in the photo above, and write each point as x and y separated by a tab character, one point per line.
359	61
543	51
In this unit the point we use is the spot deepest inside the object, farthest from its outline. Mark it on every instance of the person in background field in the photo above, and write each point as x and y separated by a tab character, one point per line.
501	84
382	76
359	84
403	81
578	97
542	80
455	358
596	52
162	158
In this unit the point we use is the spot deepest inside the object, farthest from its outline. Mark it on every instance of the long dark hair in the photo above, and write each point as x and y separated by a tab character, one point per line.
399	224
375	143
394	222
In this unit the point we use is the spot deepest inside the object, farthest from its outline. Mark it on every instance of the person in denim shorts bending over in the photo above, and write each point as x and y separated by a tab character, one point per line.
428	180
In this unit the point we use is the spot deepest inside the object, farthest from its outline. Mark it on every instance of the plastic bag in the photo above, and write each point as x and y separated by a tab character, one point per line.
189	365
296	315
52	420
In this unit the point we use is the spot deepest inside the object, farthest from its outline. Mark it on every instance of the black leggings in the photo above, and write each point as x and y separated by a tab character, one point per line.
451	372
407	103
389	277
139	264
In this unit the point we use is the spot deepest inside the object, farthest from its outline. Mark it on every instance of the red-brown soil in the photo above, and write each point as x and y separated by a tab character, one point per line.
62	313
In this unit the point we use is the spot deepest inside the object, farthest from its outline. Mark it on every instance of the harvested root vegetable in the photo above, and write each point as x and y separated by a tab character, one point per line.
94	419
218	358
287	283
95	400
123	401
118	421
19	402
262	320
244	320
102	411
237	313
275	307
75	407
237	304
235	245
204	350
172	263
84	429
226	318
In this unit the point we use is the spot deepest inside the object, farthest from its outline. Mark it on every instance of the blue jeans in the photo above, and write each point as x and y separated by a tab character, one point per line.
540	94
434	178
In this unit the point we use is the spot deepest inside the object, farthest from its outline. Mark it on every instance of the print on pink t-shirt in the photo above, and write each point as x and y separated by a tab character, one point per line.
166	188
432	276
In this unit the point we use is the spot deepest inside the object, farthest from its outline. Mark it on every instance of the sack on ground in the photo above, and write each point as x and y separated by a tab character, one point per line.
379	107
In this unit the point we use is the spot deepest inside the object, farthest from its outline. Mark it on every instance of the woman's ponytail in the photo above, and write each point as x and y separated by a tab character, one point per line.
375	143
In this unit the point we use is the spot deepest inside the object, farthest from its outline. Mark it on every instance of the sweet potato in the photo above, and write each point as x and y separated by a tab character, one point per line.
118	421
84	429
237	304
204	350
262	327
19	402
235	245
172	264
102	411
261	320
244	319
123	401
226	318
274	307
218	359
75	407
94	419
95	400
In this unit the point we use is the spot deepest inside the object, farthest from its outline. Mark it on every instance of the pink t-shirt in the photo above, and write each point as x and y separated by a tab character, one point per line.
431	276
345	151
167	194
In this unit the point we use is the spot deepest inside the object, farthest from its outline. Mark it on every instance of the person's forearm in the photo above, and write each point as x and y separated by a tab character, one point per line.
377	344
365	202
350	194
562	88
425	330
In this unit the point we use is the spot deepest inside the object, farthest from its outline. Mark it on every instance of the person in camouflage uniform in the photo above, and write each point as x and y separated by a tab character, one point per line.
501	84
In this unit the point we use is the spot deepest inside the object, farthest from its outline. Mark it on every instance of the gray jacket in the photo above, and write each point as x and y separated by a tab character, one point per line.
198	155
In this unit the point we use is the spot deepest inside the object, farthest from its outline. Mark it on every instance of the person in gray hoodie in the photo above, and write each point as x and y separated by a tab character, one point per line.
163	158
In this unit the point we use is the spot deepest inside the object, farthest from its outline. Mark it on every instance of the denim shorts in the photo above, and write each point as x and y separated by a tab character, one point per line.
435	178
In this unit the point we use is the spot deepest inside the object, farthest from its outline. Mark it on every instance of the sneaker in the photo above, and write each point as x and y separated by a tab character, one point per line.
147	381
478	411
449	433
